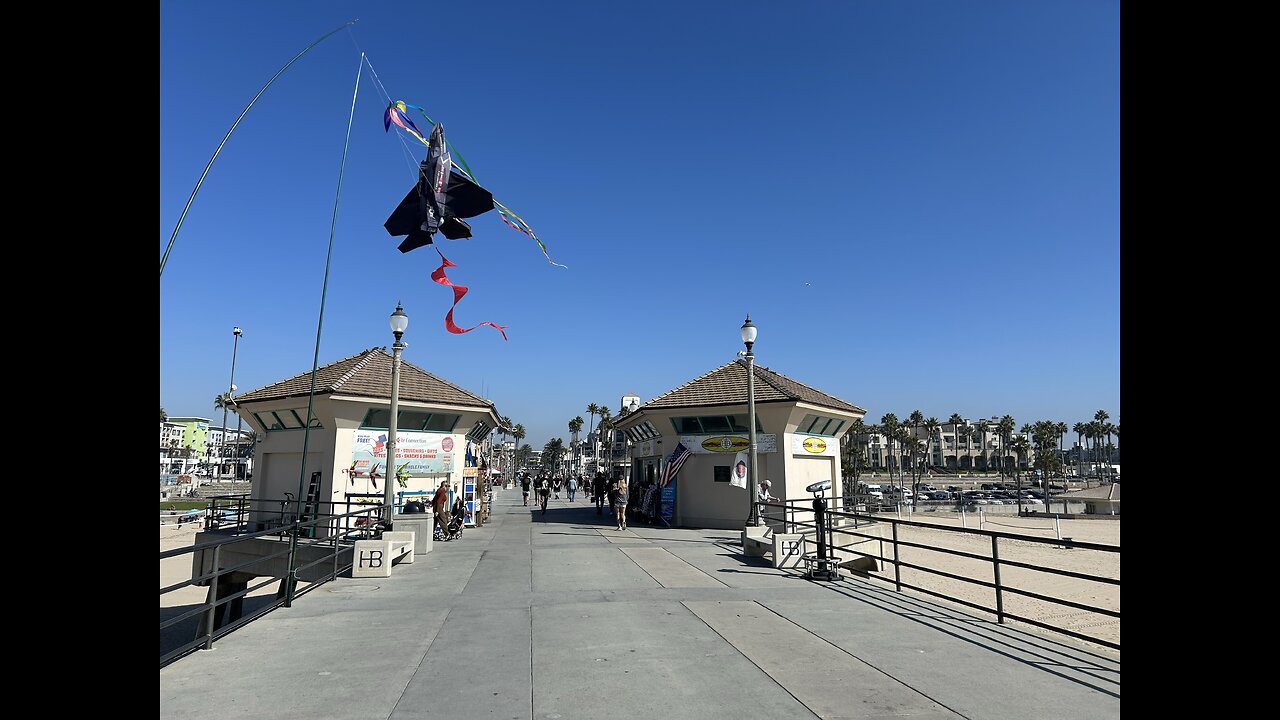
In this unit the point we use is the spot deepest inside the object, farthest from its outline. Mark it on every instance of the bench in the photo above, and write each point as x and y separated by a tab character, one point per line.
756	541
786	548
374	558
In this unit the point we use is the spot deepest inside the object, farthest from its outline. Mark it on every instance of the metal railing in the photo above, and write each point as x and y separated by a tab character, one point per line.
798	515
332	533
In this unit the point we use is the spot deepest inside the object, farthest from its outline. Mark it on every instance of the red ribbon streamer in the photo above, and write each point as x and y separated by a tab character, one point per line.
458	291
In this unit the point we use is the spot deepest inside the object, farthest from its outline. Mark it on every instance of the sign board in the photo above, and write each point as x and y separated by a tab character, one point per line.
426	453
730	444
814	445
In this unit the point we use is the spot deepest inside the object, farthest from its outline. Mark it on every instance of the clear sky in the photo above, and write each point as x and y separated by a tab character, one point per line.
917	202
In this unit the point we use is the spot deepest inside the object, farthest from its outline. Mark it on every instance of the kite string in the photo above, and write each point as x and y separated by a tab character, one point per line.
315	359
164	259
386	97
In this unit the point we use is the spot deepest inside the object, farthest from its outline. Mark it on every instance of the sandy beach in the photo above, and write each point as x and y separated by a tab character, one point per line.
1091	562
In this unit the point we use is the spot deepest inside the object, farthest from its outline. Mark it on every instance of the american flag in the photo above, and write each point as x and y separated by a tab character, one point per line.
677	459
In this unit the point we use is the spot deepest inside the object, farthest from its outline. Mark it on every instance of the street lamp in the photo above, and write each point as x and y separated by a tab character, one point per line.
399	323
748	333
231	388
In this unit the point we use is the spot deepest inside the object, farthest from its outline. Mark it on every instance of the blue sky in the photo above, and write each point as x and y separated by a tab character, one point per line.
917	202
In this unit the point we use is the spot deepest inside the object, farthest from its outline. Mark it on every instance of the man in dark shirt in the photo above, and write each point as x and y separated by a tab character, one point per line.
598	491
524	487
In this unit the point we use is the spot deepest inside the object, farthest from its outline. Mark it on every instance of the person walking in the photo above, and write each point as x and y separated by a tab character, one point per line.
555	486
524	487
620	502
572	487
598	491
544	491
440	503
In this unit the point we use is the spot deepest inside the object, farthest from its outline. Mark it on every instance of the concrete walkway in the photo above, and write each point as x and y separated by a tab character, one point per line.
565	617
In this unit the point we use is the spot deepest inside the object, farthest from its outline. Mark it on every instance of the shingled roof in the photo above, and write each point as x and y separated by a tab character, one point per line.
368	374
727	385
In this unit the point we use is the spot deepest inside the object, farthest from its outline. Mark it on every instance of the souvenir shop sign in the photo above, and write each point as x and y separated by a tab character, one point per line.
426	453
728	444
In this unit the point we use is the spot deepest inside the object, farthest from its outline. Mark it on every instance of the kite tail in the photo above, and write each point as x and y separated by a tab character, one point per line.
458	291
523	227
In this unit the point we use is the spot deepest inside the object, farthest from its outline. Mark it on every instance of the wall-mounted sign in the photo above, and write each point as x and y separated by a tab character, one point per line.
426	453
707	444
811	445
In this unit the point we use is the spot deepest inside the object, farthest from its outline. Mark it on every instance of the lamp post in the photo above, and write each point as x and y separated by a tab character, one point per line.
231	388
748	333
399	323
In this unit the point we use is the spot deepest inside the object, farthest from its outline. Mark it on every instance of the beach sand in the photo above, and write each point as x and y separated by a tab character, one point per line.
1042	555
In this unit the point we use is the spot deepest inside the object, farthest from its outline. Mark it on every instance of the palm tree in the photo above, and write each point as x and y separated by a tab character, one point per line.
857	430
913	445
933	428
1081	429
518	433
1019	446
1005	426
224	403
984	427
593	410
889	426
1101	417
163	415
955	421
916	418
968	431
575	427
1061	428
551	453
900	435
606	423
872	431
1110	430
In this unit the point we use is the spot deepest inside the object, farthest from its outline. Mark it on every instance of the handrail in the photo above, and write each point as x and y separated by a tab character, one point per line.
788	510
337	542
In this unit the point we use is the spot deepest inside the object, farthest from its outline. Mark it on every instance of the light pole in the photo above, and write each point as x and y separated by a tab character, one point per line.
231	388
399	323
748	333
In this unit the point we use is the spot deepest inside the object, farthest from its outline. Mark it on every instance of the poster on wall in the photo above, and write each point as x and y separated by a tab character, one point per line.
668	502
469	498
718	444
426	453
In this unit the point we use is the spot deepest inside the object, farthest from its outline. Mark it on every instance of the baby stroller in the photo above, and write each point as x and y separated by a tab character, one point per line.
453	530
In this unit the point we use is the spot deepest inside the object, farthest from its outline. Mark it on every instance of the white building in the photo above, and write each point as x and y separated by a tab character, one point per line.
346	458
798	433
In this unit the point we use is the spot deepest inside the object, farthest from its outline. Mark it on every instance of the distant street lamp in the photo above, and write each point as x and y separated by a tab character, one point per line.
748	333
399	323
231	388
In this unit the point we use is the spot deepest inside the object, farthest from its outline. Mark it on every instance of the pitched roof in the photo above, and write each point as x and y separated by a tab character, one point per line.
368	374
727	385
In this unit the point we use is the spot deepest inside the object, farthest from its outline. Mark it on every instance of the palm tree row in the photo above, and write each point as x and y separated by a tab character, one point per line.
1095	431
909	449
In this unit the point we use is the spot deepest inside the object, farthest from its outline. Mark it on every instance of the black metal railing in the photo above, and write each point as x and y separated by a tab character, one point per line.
798	516
334	534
